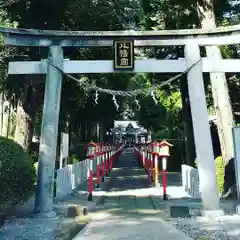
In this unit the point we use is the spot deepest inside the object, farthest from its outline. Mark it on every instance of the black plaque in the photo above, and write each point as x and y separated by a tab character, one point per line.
124	55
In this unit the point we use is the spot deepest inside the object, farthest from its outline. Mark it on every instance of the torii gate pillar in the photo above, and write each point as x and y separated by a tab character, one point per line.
49	134
202	135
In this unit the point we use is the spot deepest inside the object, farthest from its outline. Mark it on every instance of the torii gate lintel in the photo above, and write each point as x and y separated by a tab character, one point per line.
46	38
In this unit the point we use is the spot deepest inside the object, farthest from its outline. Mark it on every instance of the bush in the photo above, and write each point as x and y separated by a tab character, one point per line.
220	167
17	173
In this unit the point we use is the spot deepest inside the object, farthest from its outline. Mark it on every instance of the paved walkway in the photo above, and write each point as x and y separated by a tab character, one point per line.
128	211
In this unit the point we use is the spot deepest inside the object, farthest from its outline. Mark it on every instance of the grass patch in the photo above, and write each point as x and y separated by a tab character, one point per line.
204	238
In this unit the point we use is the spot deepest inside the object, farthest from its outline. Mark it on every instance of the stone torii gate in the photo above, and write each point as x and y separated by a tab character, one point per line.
57	40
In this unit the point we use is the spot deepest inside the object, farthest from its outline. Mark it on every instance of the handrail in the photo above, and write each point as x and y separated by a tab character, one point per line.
74	175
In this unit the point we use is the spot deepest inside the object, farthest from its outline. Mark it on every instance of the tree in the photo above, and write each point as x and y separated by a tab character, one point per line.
220	94
5	95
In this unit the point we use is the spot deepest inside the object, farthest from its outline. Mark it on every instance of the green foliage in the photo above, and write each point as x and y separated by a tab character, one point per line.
204	238
220	167
36	167
163	119
196	162
6	22
18	174
73	159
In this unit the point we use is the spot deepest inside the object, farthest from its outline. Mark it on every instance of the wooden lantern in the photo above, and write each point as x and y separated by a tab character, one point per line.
164	149
91	149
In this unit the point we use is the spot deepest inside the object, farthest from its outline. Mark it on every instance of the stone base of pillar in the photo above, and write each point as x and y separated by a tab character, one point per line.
212	213
238	209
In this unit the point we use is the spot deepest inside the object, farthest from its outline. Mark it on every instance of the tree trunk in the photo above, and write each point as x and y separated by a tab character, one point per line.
220	93
94	131
98	131
81	131
101	131
30	131
9	123
90	130
22	126
188	126
85	131
6	106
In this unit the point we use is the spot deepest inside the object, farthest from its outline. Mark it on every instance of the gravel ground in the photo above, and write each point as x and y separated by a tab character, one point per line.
23	224
40	229
201	228
196	230
226	227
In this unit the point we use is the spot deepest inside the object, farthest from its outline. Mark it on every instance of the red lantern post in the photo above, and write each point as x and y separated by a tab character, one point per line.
151	162
107	158
143	157
164	153
148	162
103	161
98	165
112	157
155	146
91	152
